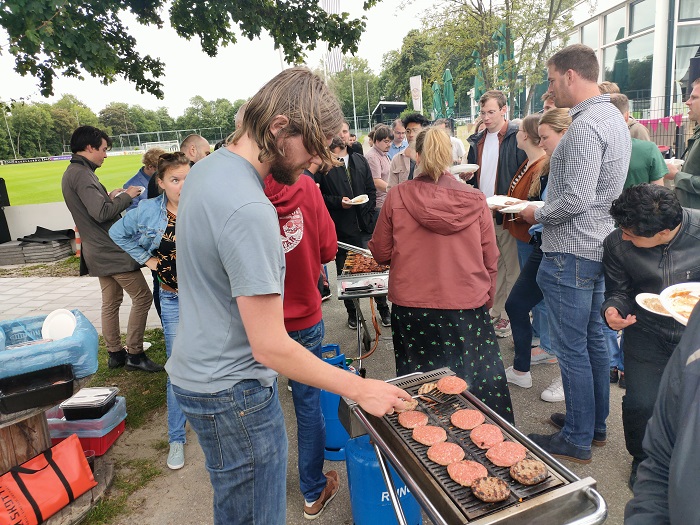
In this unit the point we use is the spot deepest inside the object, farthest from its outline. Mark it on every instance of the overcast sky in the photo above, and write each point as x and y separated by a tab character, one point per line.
237	72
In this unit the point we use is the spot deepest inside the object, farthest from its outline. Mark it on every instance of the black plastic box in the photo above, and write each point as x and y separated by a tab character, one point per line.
89	403
36	389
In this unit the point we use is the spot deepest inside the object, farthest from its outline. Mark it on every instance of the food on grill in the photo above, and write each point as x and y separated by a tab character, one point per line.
506	453
451	385
409	404
490	489
465	472
467	419
429	435
426	388
356	263
445	453
486	436
413	419
529	472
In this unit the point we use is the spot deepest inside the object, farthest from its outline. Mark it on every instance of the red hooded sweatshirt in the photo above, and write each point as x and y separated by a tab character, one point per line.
308	238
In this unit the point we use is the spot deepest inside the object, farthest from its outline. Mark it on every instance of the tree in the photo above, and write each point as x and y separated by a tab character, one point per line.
365	82
71	37
31	126
68	113
115	119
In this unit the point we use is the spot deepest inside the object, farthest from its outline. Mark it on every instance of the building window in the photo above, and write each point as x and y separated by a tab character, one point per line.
614	26
642	15
629	65
687	46
573	38
589	35
689	10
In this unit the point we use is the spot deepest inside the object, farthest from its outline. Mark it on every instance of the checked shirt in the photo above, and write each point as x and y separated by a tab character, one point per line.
587	172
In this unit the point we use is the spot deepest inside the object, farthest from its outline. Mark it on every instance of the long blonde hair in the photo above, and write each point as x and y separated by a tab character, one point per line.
559	120
435	150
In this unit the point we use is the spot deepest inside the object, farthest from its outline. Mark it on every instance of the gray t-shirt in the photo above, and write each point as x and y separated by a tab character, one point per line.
228	245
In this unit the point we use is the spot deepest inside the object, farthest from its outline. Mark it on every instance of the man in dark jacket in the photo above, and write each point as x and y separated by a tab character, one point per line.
499	158
354	224
94	212
667	488
654	246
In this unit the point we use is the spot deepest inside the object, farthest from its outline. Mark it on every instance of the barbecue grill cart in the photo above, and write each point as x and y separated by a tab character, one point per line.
562	498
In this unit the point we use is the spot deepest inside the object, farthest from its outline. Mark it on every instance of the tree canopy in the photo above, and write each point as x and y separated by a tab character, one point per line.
49	38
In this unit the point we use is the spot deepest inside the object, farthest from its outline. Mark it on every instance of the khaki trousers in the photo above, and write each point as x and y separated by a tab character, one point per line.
113	287
508	270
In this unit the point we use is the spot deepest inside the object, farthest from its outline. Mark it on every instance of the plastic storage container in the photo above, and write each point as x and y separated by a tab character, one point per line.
36	389
78	350
101	444
336	435
89	403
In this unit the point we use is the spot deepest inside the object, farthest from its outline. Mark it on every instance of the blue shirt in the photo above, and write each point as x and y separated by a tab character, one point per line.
394	149
140	179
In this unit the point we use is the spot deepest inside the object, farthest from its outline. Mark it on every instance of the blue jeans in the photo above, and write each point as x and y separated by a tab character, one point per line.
170	316
241	431
573	290
540	325
311	427
614	350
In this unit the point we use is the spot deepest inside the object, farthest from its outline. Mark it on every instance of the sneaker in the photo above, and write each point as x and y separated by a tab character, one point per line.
386	318
621	382
117	359
540	357
535	341
614	375
176	456
313	511
502	327
554	392
326	294
558	447
557	420
142	362
523	381
352	321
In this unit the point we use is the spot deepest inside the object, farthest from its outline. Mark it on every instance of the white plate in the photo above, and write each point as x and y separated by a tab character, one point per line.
58	324
141	188
360	199
642	298
676	162
463	168
678	308
517	208
501	200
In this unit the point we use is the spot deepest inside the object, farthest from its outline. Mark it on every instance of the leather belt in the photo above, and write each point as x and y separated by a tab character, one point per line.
167	288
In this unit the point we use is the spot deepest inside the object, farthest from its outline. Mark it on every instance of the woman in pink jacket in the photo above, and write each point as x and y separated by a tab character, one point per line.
437	234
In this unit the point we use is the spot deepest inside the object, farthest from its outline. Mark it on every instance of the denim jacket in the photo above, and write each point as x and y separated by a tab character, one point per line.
139	232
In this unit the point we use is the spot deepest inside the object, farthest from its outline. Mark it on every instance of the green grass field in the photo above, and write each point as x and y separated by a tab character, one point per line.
40	182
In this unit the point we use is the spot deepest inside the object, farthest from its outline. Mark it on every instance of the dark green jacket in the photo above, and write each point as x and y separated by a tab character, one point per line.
687	181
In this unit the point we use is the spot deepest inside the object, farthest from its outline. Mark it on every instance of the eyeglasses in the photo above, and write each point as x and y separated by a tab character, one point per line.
399	132
490	113
386	141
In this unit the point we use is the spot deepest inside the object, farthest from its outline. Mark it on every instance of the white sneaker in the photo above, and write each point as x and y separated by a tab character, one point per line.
523	381
176	456
502	327
554	392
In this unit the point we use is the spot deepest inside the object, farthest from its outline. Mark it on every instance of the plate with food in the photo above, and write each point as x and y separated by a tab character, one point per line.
501	200
520	206
651	302
678	163
360	199
680	299
463	168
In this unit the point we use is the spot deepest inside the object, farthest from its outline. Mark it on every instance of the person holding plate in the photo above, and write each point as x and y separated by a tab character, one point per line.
655	245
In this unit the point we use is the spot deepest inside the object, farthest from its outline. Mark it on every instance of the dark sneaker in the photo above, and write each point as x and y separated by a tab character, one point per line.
313	511
352	321
117	359
326	294
613	375
558	447
386	317
621	383
142	362
557	421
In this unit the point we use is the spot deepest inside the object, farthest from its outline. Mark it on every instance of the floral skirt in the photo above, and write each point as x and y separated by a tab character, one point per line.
463	340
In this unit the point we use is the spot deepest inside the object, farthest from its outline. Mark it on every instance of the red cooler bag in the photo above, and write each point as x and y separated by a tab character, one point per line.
37	489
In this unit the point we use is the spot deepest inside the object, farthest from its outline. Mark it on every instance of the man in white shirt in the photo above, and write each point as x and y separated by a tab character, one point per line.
458	150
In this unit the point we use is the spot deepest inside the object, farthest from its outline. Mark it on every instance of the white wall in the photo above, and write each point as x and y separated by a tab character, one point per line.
23	220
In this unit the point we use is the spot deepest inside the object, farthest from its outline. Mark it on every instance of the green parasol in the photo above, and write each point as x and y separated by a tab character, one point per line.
437	100
448	94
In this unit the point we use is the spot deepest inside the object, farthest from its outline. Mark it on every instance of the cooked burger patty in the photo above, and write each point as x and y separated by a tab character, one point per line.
429	435
490	489
465	472
410	404
486	436
413	419
506	453
529	472
467	419
445	453
451	385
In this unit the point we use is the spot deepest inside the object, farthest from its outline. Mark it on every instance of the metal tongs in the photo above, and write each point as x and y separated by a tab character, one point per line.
356	249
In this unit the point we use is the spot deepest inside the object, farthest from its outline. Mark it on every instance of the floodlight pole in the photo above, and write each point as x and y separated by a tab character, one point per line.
354	112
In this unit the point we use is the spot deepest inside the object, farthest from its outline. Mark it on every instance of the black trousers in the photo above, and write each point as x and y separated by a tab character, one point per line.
646	355
360	242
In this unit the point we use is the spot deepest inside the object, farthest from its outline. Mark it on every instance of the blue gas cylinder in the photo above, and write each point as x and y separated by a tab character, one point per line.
369	495
336	435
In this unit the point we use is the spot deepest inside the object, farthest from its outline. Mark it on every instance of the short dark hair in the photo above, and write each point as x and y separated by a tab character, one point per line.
417	118
353	135
337	142
621	102
579	58
85	136
647	209
381	132
495	94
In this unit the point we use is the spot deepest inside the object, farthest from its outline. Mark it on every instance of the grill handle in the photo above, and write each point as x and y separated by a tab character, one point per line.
601	510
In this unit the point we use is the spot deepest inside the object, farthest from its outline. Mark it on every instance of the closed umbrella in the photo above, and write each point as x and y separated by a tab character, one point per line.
437	100
621	67
479	87
504	54
448	94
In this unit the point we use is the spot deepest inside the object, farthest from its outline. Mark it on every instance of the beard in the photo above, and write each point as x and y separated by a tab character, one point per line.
283	171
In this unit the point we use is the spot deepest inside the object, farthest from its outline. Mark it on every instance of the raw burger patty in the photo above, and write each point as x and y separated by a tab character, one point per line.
429	435
529	472
411	404
452	385
490	489
486	436
506	453
467	419
445	453
465	472
413	419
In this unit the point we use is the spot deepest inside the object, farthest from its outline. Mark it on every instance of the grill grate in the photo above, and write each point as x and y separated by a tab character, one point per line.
439	411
